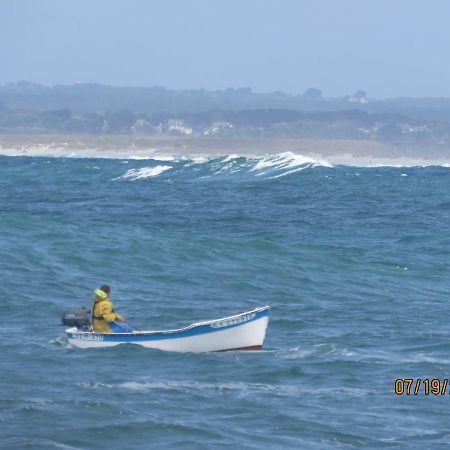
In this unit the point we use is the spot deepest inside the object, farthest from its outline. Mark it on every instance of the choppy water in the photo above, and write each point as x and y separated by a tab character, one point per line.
354	261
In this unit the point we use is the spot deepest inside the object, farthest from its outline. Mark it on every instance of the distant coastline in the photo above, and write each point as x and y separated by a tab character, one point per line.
91	120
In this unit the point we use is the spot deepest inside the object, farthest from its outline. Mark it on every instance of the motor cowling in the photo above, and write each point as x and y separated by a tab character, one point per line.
76	317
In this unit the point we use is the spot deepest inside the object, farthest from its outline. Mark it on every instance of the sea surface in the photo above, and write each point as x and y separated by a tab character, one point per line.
355	262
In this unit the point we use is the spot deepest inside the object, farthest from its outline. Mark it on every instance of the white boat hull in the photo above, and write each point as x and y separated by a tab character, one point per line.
244	331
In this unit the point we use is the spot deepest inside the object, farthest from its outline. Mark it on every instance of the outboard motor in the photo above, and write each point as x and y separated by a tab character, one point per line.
76	317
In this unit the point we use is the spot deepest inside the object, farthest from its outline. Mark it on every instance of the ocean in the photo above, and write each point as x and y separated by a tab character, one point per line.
354	262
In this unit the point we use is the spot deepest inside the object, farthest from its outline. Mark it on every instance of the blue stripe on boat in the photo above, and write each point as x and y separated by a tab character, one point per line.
157	336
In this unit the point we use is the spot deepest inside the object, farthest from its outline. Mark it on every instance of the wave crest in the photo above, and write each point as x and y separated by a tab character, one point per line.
273	166
144	172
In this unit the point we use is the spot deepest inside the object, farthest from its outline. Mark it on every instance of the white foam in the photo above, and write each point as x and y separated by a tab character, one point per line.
288	160
263	165
166	158
138	157
253	162
198	159
201	386
292	171
144	172
239	388
231	157
223	166
163	158
394	161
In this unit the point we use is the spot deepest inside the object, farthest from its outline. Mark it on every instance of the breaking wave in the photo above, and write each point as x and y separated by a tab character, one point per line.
273	166
144	172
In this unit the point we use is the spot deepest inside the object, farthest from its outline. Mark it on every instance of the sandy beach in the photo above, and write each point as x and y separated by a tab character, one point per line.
335	151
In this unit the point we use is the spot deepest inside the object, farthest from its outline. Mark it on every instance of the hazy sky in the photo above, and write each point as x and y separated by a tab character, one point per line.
386	47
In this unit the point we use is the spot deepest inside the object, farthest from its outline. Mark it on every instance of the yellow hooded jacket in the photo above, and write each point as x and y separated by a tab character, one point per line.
102	314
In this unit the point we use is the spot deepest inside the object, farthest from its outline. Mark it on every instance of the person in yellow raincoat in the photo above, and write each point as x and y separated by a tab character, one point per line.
103	313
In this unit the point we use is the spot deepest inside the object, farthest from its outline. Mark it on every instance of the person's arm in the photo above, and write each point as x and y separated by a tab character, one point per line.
119	317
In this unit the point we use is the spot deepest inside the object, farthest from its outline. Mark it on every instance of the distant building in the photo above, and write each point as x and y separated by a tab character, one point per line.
407	128
217	127
178	126
142	125
222	125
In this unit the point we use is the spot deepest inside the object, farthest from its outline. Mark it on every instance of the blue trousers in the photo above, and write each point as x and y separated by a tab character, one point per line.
120	328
